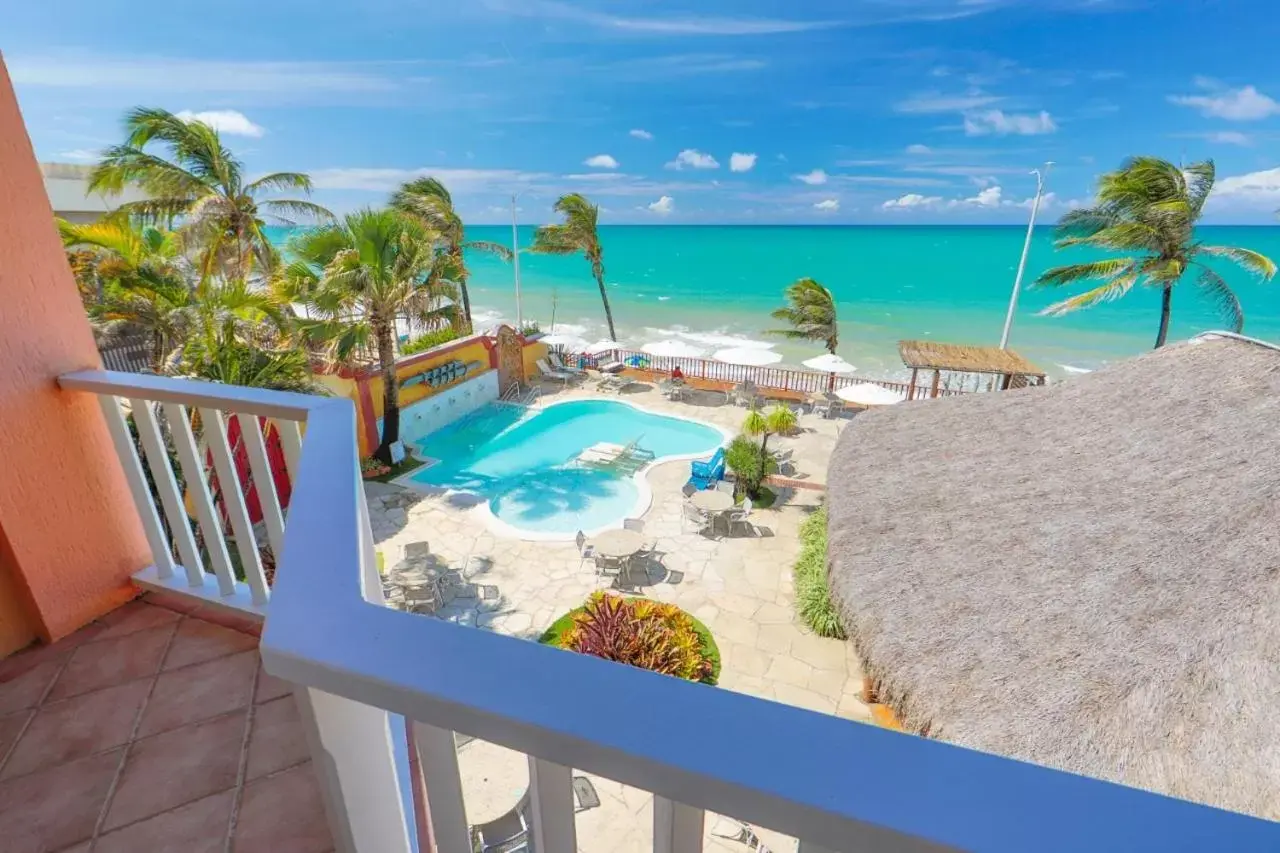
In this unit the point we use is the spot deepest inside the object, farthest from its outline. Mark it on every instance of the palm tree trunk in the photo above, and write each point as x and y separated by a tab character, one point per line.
608	312
390	390
1166	309
466	295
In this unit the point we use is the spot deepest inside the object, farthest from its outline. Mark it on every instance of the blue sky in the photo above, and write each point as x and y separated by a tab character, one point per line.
833	111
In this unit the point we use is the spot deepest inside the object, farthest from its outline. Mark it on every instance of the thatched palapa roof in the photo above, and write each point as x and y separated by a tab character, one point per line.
1086	576
930	355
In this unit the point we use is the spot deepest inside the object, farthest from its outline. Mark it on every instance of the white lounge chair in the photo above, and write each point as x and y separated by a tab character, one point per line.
557	361
550	372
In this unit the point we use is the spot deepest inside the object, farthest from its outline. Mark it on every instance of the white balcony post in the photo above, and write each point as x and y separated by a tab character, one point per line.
128	456
551	806
438	762
677	828
354	757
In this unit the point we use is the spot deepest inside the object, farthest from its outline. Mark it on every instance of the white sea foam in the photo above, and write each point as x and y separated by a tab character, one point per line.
663	298
1071	368
716	338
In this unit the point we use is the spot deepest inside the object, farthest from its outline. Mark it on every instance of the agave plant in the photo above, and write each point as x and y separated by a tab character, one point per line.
642	633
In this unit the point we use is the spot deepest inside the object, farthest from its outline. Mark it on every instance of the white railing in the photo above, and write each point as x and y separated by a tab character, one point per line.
835	784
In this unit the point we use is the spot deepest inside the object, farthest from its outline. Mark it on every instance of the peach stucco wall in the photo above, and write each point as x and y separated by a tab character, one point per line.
69	535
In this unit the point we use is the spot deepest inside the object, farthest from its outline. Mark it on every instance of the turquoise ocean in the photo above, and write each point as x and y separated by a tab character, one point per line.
714	286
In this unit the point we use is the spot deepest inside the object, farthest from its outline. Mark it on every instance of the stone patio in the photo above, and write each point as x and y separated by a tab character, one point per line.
739	587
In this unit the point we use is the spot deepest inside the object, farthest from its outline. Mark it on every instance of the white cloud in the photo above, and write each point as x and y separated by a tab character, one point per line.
224	121
1243	104
1047	201
982	180
1230	137
640	133
80	155
663	206
828	205
1256	187
741	162
690	25
815	178
919	149
911	200
989	197
601	161
935	102
1000	123
693	159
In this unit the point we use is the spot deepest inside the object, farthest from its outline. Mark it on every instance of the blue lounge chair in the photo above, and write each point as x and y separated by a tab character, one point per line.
704	475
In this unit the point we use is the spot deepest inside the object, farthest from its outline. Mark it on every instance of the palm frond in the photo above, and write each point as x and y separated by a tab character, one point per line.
1112	290
1217	289
1200	181
288	210
1072	273
279	181
1255	262
489	248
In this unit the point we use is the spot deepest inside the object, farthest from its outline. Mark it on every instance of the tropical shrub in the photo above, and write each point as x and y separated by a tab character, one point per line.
639	632
750	464
427	340
372	466
813	598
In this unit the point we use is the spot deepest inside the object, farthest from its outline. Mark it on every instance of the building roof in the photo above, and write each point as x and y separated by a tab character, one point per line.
1086	576
67	185
930	355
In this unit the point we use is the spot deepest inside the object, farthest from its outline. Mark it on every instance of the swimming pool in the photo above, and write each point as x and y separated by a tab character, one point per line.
522	463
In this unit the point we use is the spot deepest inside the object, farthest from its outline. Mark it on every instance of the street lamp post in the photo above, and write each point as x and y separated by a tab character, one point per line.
1022	264
515	260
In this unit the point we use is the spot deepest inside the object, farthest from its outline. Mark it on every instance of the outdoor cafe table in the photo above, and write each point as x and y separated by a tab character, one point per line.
494	779
713	502
619	544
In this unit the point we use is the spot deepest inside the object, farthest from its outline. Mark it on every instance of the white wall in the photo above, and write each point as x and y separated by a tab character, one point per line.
441	409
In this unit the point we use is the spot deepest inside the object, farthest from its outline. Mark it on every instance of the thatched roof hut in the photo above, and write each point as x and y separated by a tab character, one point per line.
1108	605
1009	369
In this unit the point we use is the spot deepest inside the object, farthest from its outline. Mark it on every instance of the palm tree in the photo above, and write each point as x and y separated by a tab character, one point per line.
779	419
358	275
1146	213
200	182
811	311
578	233
429	201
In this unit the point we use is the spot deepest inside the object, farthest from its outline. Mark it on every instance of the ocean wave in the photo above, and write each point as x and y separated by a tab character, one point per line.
1071	368
664	298
717	338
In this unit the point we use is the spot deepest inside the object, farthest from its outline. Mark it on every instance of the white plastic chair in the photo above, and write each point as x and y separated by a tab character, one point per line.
585	551
741	516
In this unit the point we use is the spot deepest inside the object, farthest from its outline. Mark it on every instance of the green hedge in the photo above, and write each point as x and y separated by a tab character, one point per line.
551	637
428	340
813	599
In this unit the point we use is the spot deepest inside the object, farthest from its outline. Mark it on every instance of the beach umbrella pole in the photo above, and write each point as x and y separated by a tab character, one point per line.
1022	264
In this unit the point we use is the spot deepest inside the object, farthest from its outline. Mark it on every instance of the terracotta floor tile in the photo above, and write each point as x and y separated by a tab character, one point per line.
74	728
29	658
27	689
135	616
79	848
177	767
10	726
174	601
199	692
277	739
199	827
282	814
108	662
55	808
270	687
199	641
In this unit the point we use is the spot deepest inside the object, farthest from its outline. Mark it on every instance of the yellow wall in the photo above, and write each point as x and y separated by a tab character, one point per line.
474	351
533	352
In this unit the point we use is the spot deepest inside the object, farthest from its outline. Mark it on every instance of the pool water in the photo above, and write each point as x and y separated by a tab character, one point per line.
522	463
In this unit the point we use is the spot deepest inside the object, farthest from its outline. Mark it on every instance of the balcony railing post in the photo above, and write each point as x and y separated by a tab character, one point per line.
552	806
677	828
438	762
354	757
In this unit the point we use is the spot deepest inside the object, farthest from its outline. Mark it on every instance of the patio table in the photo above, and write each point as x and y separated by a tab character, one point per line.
494	779
713	502
619	544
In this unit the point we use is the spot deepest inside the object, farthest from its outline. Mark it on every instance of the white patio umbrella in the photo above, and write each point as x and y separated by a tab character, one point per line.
602	346
674	349
572	343
750	356
829	364
866	394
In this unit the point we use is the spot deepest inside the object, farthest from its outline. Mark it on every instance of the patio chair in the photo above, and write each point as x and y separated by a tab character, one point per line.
688	490
726	487
635	524
786	465
585	550
699	519
606	566
506	834
423	598
741	516
704	474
